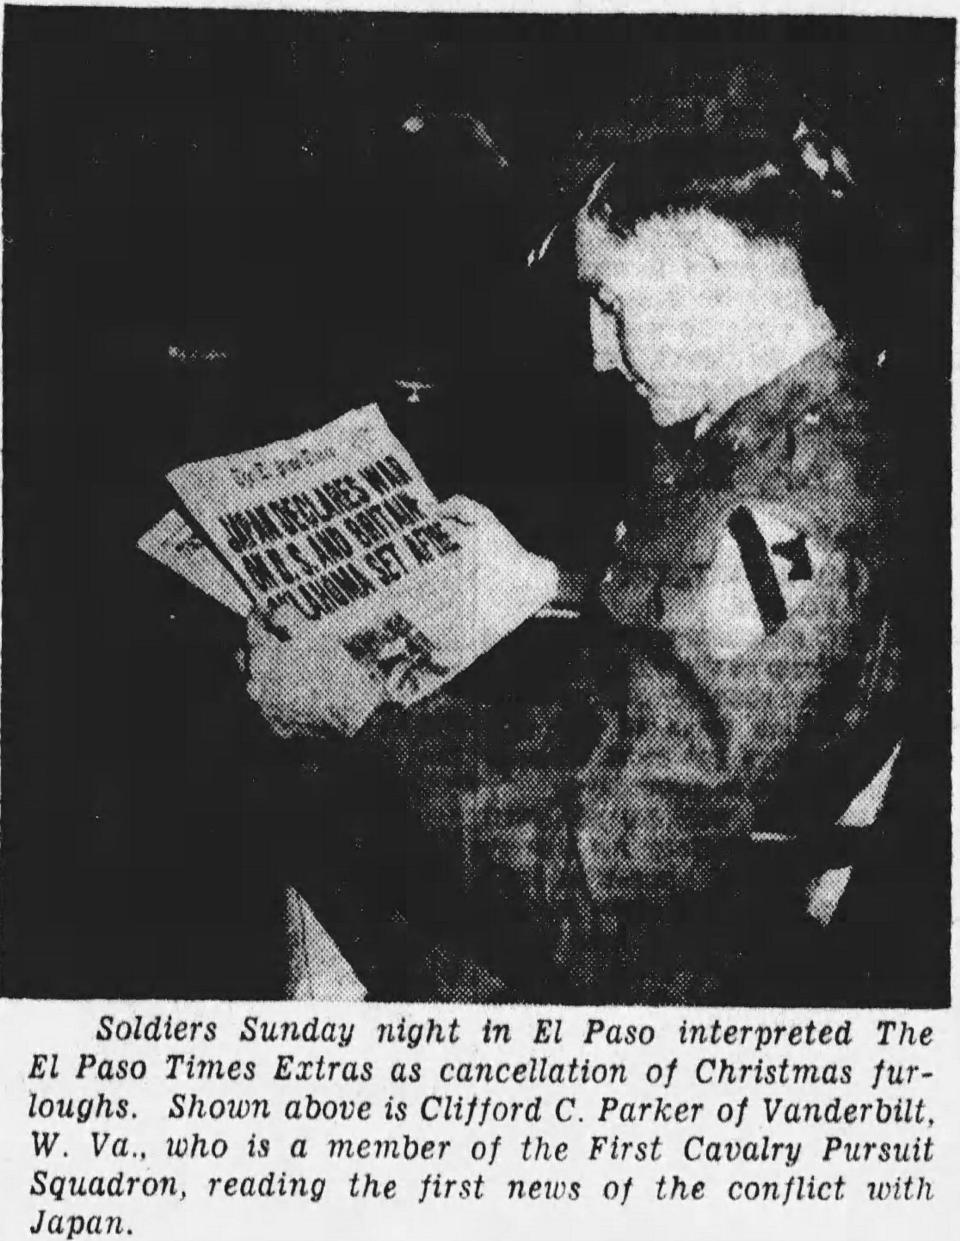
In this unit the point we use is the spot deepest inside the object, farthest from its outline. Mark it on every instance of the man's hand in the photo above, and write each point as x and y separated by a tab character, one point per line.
301	678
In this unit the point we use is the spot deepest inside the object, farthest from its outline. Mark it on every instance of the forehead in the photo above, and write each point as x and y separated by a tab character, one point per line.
592	243
663	247
604	258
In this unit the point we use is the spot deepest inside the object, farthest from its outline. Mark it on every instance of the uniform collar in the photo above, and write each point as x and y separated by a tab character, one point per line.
816	380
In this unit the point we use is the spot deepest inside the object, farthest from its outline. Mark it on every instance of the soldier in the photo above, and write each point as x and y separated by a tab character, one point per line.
732	683
750	578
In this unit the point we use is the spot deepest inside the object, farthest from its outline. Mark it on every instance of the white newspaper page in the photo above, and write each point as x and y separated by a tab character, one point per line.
174	543
462	582
387	593
310	521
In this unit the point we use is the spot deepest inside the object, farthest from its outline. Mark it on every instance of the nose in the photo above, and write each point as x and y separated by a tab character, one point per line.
604	339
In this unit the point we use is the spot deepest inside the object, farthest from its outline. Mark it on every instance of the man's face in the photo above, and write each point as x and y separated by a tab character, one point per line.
665	306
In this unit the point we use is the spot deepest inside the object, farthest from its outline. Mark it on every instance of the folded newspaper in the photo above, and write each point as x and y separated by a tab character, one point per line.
389	591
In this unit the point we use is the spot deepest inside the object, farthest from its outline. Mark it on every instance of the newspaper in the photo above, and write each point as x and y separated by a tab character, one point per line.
174	543
388	593
310	520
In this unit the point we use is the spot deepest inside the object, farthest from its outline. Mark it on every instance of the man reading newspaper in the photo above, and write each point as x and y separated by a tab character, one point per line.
730	689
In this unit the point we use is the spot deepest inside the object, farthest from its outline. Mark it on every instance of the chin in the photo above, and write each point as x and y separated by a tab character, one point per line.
668	415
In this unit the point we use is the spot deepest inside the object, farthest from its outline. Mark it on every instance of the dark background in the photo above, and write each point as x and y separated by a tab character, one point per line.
218	231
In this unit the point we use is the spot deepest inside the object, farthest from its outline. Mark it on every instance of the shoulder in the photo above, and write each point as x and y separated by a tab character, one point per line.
772	568
816	451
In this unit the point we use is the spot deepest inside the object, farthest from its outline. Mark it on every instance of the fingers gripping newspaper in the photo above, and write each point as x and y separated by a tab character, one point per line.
385	593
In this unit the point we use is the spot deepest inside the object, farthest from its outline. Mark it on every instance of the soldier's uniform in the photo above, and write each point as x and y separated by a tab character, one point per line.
740	696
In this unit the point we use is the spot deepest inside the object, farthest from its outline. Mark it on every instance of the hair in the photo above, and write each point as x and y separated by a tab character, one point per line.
751	150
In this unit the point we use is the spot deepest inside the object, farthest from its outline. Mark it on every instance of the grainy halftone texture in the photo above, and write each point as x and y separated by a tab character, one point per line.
616	813
316	969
